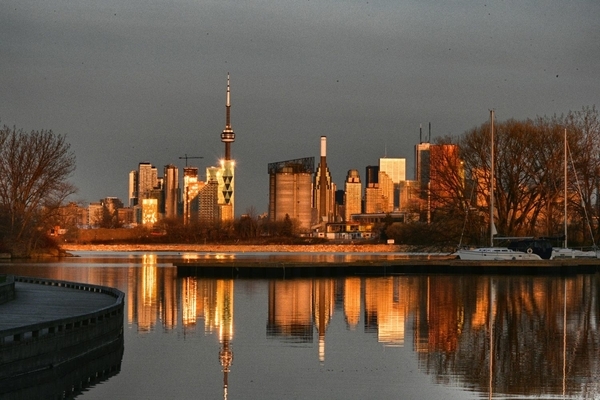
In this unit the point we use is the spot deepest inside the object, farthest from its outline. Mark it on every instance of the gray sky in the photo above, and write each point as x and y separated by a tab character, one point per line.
145	80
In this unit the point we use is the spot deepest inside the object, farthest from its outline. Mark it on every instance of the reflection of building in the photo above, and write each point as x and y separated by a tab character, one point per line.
323	304
386	307
290	310
352	299
290	191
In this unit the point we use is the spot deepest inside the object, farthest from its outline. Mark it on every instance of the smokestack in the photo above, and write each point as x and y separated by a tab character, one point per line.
420	133
323	179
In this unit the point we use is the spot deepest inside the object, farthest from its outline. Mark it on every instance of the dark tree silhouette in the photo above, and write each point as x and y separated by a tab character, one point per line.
34	168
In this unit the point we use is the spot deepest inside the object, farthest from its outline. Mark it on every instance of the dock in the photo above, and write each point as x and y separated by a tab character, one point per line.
57	337
289	268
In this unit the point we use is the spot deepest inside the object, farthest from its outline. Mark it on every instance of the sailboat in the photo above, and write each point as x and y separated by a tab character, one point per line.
565	251
492	252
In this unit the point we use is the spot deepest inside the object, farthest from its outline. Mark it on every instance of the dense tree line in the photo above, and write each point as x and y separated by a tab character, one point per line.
528	180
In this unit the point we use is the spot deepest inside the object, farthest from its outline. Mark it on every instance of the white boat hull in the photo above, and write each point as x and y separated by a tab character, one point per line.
495	253
573	253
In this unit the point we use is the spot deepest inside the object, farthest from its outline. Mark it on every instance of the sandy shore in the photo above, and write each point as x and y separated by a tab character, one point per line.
320	248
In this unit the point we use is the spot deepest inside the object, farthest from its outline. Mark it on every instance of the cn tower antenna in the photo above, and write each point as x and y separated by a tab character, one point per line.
228	136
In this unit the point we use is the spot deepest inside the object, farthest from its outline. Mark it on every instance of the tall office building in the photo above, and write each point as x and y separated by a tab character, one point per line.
171	189
373	199
290	185
387	192
324	188
395	169
422	155
352	194
226	183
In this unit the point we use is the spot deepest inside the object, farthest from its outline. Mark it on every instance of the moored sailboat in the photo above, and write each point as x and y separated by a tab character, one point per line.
493	252
565	251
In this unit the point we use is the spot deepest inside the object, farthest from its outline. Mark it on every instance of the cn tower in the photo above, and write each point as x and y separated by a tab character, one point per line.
228	136
226	192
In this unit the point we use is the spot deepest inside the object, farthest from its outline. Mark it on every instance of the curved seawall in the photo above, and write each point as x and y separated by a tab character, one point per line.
56	338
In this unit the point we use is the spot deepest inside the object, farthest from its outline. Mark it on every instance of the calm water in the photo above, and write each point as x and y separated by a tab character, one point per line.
398	337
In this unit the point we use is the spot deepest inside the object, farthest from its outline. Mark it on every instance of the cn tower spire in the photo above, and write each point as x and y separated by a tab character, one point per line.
228	136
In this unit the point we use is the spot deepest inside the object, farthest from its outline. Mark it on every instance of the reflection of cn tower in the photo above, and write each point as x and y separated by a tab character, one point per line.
224	321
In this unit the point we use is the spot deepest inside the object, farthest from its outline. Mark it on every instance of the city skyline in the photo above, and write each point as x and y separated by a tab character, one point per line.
144	82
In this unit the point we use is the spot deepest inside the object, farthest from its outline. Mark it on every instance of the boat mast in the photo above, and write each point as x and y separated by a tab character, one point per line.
492	228
565	178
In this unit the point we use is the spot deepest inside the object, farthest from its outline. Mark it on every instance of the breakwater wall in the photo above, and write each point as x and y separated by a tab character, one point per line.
58	358
7	288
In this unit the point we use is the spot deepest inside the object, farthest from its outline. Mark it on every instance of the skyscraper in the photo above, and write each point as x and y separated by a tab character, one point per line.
171	188
133	188
352	194
395	169
147	180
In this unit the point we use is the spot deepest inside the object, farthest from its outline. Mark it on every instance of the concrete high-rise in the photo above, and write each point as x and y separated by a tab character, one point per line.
290	185
324	188
352	194
133	188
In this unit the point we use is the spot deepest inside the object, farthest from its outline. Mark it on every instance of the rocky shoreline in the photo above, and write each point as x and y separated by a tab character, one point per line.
233	248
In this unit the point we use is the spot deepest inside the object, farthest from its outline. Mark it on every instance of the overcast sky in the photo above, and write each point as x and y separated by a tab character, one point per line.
145	80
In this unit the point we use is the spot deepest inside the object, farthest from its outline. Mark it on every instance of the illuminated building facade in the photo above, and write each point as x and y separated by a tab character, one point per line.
147	180
386	192
149	211
208	197
190	191
290	186
352	194
395	169
373	199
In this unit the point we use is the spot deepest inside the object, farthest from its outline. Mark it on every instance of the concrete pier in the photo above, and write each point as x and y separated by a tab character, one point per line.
288	268
58	337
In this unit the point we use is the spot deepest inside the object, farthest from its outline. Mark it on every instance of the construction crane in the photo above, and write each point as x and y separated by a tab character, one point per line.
186	157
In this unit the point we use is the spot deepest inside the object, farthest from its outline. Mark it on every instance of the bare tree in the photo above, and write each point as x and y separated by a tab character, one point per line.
34	168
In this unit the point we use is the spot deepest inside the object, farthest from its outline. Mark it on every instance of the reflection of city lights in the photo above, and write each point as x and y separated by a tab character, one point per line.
224	256
148	279
190	256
